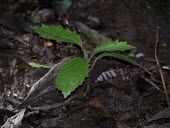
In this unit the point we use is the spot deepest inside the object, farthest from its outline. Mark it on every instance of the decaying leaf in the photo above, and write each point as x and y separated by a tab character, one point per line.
43	92
92	35
14	120
163	114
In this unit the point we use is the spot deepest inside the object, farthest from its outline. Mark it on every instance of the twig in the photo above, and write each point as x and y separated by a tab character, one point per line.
56	105
159	67
151	83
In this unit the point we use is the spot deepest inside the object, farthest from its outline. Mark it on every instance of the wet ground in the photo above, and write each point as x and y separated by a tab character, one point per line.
127	101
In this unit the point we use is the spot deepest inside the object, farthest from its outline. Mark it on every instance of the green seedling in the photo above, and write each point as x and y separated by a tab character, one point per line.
73	73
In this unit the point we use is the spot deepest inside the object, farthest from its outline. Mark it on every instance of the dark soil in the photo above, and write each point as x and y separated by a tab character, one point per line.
125	101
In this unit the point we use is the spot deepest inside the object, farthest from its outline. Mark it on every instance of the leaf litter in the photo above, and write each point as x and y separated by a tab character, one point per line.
114	95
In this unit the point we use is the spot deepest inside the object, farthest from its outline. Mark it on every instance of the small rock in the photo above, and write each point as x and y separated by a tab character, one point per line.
43	16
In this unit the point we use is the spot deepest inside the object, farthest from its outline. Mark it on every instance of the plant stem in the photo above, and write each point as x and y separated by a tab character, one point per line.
84	53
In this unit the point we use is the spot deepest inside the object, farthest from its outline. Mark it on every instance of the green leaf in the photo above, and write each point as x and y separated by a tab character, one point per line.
110	46
71	75
58	33
121	57
36	65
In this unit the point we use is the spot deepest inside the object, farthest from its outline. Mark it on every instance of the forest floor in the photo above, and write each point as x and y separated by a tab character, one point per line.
129	100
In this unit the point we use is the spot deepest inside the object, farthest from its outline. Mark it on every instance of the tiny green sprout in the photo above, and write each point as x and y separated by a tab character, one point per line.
36	65
73	73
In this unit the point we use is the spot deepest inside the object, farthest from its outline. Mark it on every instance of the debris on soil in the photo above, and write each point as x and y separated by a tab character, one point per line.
121	95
